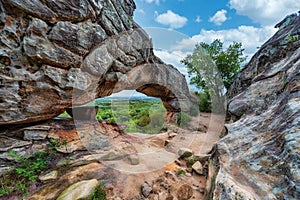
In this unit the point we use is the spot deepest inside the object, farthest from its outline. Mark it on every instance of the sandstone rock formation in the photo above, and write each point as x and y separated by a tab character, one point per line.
55	54
259	158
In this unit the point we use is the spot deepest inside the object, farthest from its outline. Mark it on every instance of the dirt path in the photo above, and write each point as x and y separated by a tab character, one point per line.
155	159
133	159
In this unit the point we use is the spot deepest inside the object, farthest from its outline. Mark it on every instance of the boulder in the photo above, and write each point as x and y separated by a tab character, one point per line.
49	176
79	190
146	189
259	158
198	168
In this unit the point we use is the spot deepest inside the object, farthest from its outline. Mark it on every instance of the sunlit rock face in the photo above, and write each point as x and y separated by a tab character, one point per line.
55	54
259	158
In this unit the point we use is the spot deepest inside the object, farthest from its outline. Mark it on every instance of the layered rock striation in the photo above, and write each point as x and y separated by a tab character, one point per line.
55	54
259	158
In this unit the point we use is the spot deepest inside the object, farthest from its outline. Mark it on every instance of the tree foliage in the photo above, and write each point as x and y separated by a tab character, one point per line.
228	62
213	69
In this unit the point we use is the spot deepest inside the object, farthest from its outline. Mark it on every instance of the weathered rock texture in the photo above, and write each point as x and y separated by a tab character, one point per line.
260	156
55	54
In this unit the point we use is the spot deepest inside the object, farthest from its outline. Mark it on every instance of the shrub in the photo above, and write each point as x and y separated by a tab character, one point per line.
143	120
184	120
99	192
204	101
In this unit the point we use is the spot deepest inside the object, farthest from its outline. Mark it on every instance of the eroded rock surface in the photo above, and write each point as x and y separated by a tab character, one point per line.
55	54
259	158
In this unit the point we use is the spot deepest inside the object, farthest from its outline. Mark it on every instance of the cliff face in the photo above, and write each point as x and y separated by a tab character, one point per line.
259	158
55	54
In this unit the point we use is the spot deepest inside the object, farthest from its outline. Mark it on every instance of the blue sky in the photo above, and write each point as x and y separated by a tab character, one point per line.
197	13
177	25
248	21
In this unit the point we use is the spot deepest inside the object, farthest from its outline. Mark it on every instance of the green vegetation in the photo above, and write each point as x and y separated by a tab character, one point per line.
213	70
292	38
27	169
184	120
25	173
180	172
99	193
65	115
204	101
55	143
140	115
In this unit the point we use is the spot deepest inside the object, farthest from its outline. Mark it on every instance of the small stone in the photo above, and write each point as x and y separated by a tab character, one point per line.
198	168
80	190
188	174
185	192
189	170
172	134
167	142
50	176
185	152
134	159
146	189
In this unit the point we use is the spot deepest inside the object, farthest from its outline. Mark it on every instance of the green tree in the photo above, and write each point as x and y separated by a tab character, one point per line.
213	69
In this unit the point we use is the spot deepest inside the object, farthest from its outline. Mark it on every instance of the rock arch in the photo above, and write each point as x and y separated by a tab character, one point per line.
162	81
54	60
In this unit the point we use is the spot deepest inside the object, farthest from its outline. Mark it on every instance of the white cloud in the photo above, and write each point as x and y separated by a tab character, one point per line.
219	18
141	11
174	58
198	19
153	1
250	37
171	19
265	12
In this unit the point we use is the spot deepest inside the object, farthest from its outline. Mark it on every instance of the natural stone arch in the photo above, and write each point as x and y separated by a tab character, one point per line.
161	81
77	59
